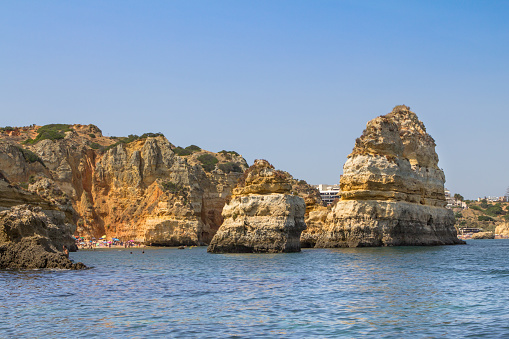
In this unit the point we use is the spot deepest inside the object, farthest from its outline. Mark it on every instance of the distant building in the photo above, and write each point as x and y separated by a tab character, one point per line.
329	193
452	202
495	199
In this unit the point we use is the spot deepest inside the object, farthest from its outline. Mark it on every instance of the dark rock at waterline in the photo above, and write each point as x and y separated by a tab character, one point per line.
30	239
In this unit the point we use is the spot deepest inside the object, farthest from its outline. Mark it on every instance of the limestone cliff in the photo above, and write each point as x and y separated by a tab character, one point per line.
502	230
262	215
141	188
392	190
316	212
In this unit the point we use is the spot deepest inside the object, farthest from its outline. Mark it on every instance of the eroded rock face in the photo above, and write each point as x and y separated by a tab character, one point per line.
262	215
138	189
30	239
392	190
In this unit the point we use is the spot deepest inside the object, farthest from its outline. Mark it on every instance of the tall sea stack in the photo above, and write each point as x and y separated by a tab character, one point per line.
392	190
262	216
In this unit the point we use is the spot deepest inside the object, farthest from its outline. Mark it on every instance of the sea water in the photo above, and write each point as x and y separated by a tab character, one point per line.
395	292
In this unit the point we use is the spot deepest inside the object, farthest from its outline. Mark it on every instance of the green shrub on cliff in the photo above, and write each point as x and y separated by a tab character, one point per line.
208	162
230	167
169	186
151	135
132	137
50	132
30	156
181	151
484	218
494	210
186	151
228	152
193	148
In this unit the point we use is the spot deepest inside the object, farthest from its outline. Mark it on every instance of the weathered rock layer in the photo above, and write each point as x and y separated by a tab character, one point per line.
262	215
133	188
30	239
392	190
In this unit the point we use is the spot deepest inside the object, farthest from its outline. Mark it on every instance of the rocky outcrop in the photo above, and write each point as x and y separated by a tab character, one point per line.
483	235
502	230
133	188
392	190
262	215
316	212
31	239
316	219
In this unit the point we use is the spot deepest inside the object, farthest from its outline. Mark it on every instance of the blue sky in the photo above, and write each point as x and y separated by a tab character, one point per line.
293	82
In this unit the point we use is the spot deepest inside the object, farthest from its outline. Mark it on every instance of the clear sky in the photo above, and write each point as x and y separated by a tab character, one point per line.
293	82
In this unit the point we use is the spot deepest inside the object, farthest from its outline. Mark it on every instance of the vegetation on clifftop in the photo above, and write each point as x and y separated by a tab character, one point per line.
6	129
186	151
208	162
50	132
132	137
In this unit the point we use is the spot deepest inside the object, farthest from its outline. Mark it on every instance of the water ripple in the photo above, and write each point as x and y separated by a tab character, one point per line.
424	292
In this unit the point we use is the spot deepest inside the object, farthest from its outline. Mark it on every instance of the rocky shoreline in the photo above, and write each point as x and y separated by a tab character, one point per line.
57	181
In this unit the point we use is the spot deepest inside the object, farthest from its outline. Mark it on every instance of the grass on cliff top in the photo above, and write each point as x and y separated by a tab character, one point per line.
50	132
131	138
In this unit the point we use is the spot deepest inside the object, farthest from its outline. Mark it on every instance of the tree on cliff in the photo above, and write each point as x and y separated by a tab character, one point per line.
458	196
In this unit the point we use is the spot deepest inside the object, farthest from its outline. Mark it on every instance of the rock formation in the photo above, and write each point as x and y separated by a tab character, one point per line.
316	212
502	230
392	190
140	188
262	215
483	235
30	239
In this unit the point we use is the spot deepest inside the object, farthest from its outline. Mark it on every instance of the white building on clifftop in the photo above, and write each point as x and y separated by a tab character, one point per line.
329	193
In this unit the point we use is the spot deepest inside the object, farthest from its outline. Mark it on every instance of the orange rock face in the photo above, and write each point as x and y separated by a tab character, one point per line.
136	189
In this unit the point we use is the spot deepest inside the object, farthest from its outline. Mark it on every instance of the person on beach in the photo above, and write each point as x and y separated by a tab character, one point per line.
66	252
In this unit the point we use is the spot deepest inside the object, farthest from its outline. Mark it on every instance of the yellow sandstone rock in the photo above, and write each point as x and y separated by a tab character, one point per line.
392	190
262	216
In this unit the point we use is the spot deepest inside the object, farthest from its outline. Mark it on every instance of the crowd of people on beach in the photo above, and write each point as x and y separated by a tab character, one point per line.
94	243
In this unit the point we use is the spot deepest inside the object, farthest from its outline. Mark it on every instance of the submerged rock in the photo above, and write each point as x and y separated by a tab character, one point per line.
262	214
392	190
30	239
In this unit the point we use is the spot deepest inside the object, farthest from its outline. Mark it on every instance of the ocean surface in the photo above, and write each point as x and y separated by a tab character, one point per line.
398	292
